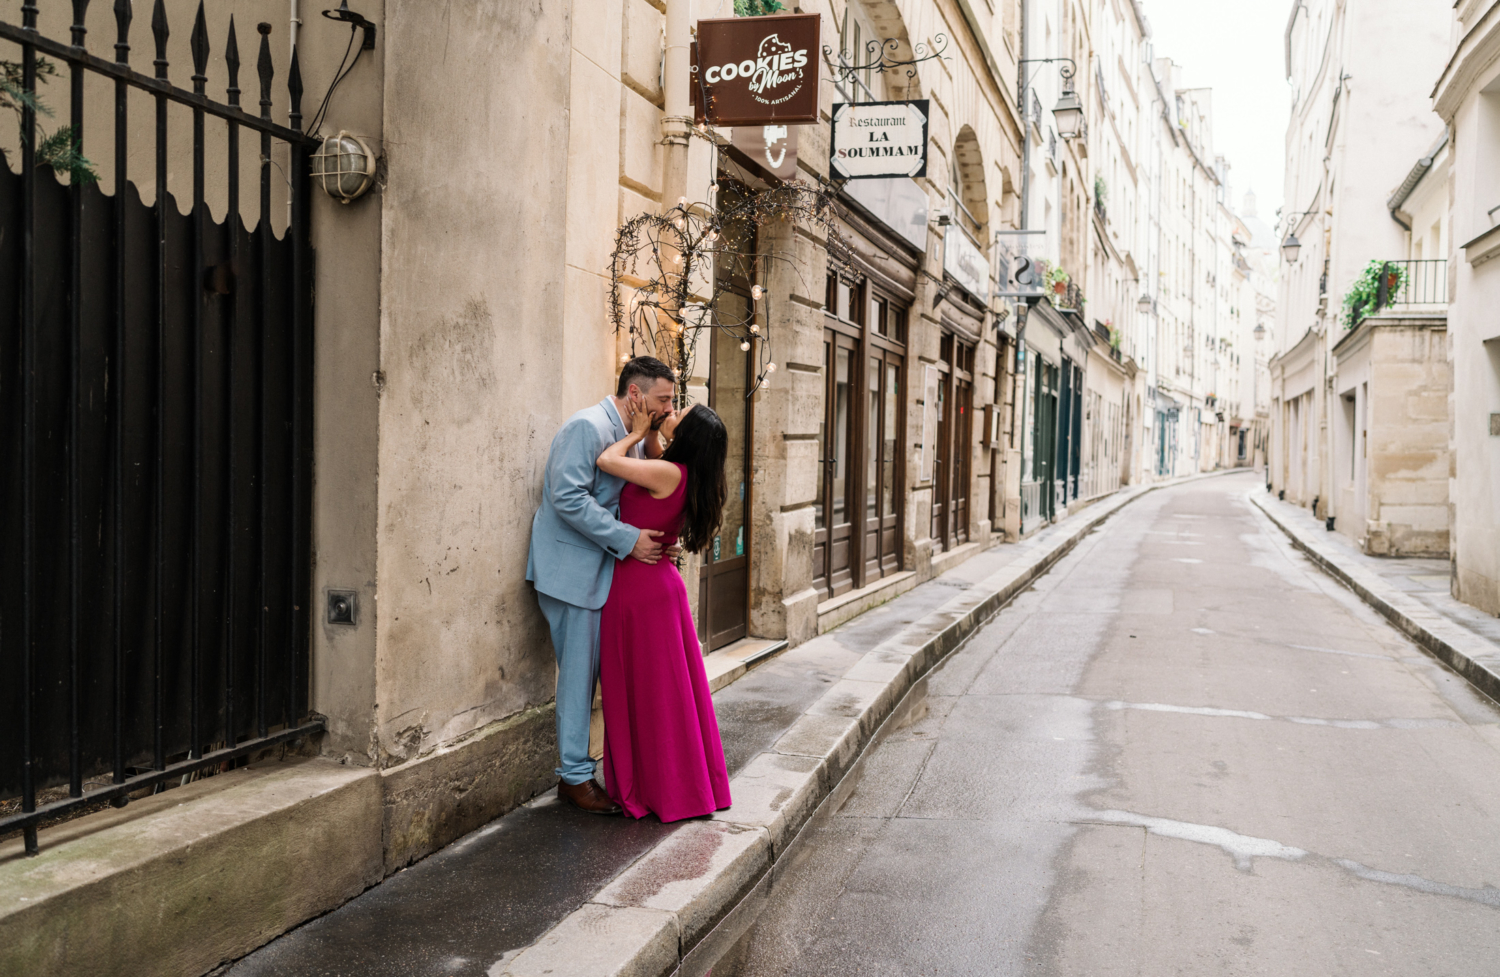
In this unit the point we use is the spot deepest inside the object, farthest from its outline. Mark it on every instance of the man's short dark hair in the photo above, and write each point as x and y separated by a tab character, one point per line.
644	371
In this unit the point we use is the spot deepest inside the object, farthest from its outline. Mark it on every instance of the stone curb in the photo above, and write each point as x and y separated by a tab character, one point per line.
678	893
1471	656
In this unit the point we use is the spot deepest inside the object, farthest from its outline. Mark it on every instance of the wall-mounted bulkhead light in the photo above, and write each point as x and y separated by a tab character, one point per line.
344	167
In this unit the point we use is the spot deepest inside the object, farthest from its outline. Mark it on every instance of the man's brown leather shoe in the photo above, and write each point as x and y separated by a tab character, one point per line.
587	796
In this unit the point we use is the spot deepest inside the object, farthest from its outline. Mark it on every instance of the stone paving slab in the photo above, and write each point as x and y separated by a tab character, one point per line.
1405	591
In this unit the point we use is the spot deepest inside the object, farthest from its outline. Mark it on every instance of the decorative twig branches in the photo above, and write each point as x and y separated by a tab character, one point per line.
881	57
670	273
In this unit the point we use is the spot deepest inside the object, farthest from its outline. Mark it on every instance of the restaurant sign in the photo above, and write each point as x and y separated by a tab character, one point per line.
872	140
756	70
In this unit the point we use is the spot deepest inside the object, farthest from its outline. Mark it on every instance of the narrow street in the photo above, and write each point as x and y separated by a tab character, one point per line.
1185	751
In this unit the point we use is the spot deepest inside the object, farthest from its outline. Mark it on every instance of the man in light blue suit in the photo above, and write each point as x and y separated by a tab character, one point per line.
576	537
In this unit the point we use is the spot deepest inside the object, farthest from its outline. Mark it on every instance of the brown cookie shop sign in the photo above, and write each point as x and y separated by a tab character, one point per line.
756	70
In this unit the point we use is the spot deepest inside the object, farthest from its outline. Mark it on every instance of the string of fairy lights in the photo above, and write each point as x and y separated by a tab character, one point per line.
671	274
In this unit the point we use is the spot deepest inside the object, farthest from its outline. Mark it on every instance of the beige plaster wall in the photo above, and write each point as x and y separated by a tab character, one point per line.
474	355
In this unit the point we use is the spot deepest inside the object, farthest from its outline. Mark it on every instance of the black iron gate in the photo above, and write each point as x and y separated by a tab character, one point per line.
155	421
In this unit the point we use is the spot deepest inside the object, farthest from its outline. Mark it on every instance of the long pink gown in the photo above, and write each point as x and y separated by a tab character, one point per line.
662	753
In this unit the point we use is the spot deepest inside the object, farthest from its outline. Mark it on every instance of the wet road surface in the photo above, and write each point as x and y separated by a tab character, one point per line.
1185	751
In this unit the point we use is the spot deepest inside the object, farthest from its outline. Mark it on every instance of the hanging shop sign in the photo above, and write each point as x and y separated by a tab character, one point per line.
878	139
1018	264
756	70
774	147
965	262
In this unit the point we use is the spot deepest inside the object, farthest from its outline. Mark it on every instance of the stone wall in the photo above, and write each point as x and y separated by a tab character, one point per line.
1410	380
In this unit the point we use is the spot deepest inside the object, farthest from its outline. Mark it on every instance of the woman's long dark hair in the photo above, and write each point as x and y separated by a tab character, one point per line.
701	443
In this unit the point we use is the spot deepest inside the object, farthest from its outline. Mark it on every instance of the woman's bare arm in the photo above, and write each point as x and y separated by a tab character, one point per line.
660	478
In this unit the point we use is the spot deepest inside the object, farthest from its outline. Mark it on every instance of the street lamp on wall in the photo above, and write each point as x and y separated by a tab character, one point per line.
1069	109
1292	247
1068	112
1144	303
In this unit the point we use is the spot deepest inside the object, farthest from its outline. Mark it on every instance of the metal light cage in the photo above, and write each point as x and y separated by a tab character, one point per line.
344	167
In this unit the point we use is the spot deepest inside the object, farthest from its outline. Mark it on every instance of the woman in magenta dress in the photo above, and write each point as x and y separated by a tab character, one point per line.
662	753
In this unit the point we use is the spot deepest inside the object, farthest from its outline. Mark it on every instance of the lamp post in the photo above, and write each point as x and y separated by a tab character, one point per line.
1291	247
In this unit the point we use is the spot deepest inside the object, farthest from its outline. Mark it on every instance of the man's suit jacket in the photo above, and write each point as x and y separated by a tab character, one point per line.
577	535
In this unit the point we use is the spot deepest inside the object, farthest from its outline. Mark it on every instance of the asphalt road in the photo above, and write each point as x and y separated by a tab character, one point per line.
1186	751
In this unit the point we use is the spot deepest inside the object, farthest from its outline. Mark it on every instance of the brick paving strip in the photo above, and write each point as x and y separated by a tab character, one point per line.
685	901
1459	636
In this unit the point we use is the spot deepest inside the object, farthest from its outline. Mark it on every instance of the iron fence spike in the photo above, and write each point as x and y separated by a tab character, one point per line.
123	15
80	9
199	45
294	89
265	69
232	60
160	32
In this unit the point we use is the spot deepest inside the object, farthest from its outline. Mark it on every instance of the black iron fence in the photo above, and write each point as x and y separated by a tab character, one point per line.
155	414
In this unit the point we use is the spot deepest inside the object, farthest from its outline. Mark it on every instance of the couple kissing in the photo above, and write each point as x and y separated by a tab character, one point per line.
630	484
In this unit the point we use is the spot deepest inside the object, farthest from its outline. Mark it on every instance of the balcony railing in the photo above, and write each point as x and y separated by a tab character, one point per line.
1424	283
1413	286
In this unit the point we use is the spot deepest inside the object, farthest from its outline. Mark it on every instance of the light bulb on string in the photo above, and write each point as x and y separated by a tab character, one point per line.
756	292
770	367
755	328
744	347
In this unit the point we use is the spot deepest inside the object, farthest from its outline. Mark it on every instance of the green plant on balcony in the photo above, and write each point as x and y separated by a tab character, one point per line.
1364	296
1101	190
1057	280
756	8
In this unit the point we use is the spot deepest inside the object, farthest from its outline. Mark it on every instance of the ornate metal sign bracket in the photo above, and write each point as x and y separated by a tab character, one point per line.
886	60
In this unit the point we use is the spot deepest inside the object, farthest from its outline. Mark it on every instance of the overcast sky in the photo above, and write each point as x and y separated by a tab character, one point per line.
1235	48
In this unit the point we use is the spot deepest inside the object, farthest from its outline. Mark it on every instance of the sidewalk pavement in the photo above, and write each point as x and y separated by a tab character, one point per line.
1413	594
549	890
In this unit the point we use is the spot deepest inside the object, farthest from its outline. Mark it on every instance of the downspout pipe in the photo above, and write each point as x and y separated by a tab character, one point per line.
678	103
